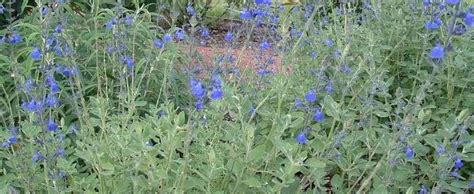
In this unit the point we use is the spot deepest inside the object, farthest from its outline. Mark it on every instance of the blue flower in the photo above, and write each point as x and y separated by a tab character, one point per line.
298	103
60	152
109	25
37	157
265	45
190	10
452	2
329	88
44	10
311	96
455	173
469	19
216	85
199	105
458	164
301	138
205	32
167	38
14	38
409	153
197	89
245	14
442	6
58	29
459	30
263	72
157	43
437	52
426	3
2	9
128	20
263	2
329	42
318	116
52	126
52	100
32	106
36	54
217	94
433	24
53	85
229	37
128	61
180	34
423	190
440	150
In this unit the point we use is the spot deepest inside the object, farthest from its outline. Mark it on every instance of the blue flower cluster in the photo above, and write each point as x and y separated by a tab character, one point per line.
199	91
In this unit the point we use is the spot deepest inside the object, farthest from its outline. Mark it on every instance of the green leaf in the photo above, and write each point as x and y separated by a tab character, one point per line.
140	103
314	163
252	182
331	107
107	168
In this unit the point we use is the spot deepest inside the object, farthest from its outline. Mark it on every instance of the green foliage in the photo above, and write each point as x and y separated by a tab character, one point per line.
131	124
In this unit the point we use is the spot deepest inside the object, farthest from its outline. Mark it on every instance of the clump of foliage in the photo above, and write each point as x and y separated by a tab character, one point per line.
342	97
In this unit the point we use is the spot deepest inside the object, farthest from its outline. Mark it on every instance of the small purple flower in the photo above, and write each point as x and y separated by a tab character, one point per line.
264	2
301	138
53	85
229	37
423	190
329	42
14	38
60	152
2	9
37	157
440	150
318	116
217	94
409	153
205	32
52	100
265	45
459	30
311	96
329	88
458	164
298	103
157	43
109	25
197	89
216	85
469	19
128	20
346	69
199	105
245	14
128	61
437	52
167	38
452	2
44	10
455	173
190	10
433	24
36	54
52	126
59	28
180	34
263	72
32	106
